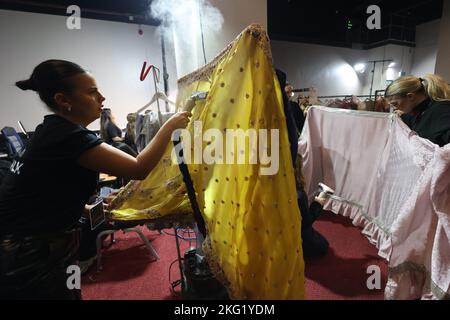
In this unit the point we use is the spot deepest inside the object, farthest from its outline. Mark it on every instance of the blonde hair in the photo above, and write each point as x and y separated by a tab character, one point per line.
434	86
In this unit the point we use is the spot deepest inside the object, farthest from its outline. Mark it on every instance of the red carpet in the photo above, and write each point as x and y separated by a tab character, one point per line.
129	274
342	273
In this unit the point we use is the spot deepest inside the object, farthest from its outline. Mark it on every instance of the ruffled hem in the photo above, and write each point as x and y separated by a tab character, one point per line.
374	233
406	281
412	281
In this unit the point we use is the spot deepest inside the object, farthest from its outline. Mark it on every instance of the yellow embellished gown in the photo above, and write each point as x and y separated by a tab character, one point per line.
253	222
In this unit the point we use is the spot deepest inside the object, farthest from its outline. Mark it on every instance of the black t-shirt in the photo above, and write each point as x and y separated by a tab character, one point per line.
46	190
431	120
112	131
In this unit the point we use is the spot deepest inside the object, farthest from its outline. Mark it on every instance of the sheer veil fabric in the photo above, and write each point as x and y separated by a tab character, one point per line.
392	183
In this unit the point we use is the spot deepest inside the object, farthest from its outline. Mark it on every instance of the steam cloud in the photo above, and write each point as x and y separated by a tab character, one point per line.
181	21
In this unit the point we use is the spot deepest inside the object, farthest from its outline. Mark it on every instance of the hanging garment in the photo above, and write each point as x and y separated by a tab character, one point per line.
138	138
147	126
392	183
253	222
150	127
130	133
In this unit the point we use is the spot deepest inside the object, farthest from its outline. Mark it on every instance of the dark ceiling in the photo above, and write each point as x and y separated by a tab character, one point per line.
111	10
339	23
343	23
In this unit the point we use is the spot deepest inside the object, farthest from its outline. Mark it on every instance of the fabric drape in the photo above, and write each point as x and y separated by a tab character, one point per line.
252	219
392	183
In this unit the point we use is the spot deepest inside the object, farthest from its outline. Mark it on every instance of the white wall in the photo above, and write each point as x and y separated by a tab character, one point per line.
443	53
427	38
112	51
329	69
402	58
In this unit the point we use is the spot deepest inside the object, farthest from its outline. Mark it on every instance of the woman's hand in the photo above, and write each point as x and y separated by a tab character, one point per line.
398	112
107	200
178	121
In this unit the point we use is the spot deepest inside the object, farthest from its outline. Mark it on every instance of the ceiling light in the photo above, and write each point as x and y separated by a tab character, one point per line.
359	67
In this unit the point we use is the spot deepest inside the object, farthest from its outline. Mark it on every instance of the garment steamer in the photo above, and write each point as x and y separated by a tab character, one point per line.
323	193
197	281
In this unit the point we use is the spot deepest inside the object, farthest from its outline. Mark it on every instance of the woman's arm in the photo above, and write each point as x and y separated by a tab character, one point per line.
107	159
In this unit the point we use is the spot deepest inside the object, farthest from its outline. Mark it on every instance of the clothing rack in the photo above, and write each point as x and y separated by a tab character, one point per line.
344	96
378	91
302	90
310	98
353	95
372	102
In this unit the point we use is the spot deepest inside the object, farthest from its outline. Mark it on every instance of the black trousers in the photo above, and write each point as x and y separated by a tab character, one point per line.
35	267
314	244
309	212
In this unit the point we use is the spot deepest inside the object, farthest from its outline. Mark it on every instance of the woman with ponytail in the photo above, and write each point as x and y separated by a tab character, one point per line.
44	194
424	104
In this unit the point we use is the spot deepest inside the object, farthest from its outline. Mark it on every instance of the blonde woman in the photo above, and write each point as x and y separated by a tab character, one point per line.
424	104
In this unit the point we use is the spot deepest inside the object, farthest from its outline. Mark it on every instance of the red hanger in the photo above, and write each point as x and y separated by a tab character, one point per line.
144	73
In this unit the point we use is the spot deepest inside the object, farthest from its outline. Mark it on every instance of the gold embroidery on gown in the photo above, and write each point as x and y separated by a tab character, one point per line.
253	221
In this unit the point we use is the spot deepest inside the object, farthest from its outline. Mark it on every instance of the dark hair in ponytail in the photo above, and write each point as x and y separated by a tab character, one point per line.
51	77
26	85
